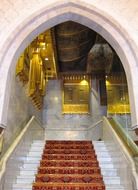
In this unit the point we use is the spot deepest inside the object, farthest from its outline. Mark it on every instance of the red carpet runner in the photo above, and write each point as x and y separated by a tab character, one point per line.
69	165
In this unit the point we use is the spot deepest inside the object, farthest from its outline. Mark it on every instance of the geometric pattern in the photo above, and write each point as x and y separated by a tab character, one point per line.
69	165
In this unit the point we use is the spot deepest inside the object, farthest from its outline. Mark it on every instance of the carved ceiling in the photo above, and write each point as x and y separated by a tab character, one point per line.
100	59
80	49
74	42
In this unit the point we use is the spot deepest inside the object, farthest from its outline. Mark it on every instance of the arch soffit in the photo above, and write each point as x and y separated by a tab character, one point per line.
50	16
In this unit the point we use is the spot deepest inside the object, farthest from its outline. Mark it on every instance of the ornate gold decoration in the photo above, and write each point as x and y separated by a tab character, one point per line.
75	94
22	70
117	94
36	66
75	108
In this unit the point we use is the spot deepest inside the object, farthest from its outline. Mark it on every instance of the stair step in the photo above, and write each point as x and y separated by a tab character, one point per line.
32	162
65	185
25	180
22	177
108	165
34	148
22	186
28	172
106	154
60	178
68	170
68	163
115	187
109	172
112	180
65	155
28	169
29	165
108	158
30	157
35	154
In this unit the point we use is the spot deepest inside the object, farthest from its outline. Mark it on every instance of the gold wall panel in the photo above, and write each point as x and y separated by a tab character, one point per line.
78	109
117	95
76	94
75	97
118	109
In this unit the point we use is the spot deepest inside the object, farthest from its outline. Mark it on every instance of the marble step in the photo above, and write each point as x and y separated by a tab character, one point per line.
32	161
101	143
34	148
30	151
30	165
108	159
109	172
112	180
22	186
119	187
24	177
26	159
107	165
35	154
33	158
104	148
38	144
25	180
106	153
28	172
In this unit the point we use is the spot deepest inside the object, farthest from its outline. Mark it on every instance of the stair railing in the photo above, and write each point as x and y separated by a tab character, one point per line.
19	142
128	142
128	147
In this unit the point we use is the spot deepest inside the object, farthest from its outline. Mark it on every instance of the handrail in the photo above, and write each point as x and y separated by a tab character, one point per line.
125	151
95	124
128	142
12	148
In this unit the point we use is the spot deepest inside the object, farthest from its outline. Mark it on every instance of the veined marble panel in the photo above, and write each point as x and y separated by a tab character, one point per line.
68	126
52	113
20	110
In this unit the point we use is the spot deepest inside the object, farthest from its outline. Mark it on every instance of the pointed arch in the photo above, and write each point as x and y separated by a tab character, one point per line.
51	15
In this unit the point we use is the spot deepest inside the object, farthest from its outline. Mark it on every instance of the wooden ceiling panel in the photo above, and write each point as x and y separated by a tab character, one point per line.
73	42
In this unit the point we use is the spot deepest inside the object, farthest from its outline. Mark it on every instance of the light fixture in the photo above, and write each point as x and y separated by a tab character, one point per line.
46	58
56	99
84	82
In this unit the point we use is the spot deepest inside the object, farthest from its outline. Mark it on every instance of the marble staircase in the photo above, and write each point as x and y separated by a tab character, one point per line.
28	166
109	162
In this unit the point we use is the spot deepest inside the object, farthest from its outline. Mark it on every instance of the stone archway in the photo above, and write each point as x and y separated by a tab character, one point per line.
42	19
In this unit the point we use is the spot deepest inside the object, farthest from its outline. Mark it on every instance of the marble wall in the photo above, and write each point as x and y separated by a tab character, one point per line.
20	109
52	113
96	109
